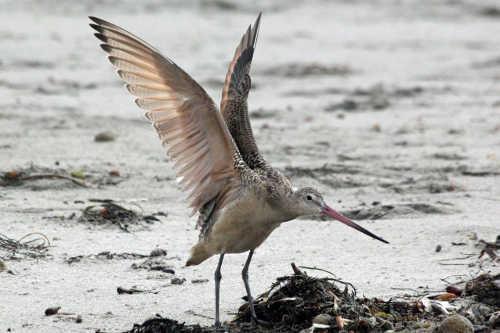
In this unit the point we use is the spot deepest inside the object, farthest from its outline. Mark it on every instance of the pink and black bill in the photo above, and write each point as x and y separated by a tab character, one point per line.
341	218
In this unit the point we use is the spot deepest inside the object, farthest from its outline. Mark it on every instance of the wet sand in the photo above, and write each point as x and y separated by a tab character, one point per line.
392	110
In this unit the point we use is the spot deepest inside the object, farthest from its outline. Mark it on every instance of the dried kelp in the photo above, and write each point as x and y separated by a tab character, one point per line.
107	211
33	245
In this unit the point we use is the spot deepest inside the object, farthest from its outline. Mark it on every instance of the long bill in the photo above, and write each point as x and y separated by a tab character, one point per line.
341	218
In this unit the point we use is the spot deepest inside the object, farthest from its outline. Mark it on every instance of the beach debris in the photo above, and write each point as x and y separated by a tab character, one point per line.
154	264
52	310
108	255
303	303
105	136
177	281
195	281
455	324
490	249
32	245
485	288
3	266
21	176
44	178
107	211
158	252
159	324
130	291
439	248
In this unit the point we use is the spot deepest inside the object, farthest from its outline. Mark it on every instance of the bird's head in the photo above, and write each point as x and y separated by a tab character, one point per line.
308	201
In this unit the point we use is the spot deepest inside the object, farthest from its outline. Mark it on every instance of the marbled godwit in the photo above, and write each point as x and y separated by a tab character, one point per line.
240	198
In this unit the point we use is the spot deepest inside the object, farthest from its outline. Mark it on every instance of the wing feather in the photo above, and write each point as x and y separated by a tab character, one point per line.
234	105
205	157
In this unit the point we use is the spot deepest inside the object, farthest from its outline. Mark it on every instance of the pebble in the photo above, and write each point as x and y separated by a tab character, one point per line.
455	324
158	252
178	281
439	248
3	267
52	310
323	319
104	136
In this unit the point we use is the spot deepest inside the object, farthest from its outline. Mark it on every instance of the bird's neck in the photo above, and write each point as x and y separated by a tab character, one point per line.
289	210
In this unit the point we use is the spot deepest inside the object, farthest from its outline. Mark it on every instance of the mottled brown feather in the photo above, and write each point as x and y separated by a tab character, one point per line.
234	105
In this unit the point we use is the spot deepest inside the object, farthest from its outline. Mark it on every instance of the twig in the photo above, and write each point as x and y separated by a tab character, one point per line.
332	279
53	176
459	258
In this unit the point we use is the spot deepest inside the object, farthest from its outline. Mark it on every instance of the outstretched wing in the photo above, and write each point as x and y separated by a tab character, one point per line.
234	105
185	117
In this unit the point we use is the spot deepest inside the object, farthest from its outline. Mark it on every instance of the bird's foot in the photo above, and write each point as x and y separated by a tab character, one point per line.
218	328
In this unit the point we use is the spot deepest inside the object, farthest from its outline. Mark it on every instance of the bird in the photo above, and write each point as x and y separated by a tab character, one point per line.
238	196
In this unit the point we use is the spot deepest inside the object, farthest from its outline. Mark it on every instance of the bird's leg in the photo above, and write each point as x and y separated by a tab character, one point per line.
218	277
244	274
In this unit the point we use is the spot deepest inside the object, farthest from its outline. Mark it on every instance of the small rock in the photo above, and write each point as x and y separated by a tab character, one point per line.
323	319
114	173
158	252
52	310
78	319
133	290
455	324
104	136
439	248
3	267
177	281
376	128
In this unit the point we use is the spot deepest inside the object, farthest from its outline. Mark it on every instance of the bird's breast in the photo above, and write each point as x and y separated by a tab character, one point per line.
244	225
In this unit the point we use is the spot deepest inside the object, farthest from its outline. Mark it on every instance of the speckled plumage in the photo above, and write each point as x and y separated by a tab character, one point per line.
214	153
239	197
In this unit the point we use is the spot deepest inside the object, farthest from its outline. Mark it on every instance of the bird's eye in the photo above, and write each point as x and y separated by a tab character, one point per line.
308	197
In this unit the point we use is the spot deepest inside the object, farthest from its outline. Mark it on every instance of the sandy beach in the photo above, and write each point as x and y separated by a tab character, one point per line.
390	108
